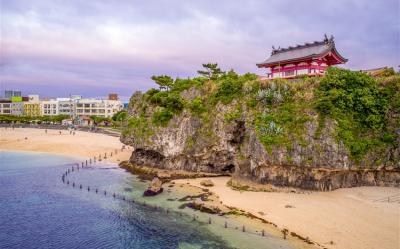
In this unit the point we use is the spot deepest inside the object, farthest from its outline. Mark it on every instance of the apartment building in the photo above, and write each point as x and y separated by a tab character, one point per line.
17	106
5	107
65	106
32	107
97	107
50	107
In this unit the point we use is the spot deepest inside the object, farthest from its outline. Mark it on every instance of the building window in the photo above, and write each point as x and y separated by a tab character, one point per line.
288	73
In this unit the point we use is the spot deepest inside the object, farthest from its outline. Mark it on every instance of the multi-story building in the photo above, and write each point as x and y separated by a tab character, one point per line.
17	106
76	107
33	108
8	94
5	107
97	107
50	107
65	106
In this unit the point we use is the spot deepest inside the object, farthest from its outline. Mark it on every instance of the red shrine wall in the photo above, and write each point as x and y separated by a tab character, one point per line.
290	70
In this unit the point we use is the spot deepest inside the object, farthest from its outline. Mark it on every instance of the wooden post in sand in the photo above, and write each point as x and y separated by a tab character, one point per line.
263	233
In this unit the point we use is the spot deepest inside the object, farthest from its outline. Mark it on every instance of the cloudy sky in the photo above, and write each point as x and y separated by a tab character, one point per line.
57	48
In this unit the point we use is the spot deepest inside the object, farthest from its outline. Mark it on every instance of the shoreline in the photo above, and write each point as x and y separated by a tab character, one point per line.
340	219
82	144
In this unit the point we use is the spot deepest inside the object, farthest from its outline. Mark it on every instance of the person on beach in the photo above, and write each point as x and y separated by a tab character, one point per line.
45	131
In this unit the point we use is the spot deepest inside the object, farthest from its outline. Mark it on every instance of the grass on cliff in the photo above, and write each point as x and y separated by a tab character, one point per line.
360	105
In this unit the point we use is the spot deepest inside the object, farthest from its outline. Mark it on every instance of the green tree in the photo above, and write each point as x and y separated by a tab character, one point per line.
210	71
164	81
120	116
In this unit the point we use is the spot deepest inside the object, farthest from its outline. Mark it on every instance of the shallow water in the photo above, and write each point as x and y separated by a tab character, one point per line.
37	210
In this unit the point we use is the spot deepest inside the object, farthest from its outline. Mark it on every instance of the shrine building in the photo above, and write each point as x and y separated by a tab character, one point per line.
309	59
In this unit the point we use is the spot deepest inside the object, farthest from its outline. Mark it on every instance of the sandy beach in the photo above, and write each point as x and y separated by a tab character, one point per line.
350	218
83	144
341	219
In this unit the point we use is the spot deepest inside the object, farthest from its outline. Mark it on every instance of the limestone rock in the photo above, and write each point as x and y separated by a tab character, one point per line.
318	162
207	183
204	207
154	188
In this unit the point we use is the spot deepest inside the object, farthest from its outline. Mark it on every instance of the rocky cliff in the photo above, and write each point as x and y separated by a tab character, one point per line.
276	132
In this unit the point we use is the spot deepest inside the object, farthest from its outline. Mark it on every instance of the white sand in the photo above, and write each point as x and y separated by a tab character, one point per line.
83	144
348	217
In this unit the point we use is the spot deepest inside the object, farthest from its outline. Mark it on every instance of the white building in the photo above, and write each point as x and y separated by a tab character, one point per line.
5	107
97	107
65	106
49	107
17	108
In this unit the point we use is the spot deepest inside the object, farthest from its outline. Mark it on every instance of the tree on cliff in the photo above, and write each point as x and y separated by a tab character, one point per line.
164	81
212	71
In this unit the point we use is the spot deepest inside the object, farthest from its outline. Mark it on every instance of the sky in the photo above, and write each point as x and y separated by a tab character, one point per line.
56	48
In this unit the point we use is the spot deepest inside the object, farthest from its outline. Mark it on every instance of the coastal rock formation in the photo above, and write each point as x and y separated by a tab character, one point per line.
204	207
237	139
154	188
207	183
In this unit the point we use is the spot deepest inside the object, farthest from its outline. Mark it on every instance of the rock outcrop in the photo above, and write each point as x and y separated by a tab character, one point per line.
154	188
217	144
206	183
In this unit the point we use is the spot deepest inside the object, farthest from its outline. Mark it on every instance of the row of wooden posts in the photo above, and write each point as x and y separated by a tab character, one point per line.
86	163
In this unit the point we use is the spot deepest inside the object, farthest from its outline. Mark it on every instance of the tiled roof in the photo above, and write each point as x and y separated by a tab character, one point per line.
308	50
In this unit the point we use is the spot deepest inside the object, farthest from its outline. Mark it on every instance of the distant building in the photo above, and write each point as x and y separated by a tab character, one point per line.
49	107
97	107
12	106
112	96
32	107
65	106
76	107
17	106
5	107
309	59
8	94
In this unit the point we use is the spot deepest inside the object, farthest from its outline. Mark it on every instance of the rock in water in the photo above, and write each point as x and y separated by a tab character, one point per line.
154	188
204	207
207	183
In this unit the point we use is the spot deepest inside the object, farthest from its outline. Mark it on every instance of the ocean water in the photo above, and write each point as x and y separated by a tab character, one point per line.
38	210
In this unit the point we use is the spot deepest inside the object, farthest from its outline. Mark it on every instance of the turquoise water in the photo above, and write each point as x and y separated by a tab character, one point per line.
38	210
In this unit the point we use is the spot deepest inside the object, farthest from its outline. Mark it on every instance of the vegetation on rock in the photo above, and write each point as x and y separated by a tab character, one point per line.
362	110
